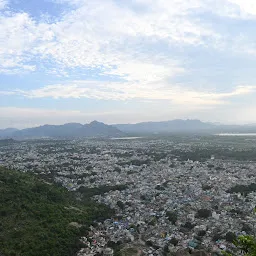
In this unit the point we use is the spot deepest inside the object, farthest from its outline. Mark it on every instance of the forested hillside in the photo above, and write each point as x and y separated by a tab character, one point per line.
37	219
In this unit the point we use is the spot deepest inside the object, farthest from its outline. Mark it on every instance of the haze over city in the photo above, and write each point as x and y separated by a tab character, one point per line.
122	61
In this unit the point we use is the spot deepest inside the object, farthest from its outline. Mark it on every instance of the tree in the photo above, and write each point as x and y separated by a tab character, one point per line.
230	237
120	204
117	169
201	233
206	187
174	241
172	217
188	225
217	236
246	245
204	213
42	219
149	243
246	228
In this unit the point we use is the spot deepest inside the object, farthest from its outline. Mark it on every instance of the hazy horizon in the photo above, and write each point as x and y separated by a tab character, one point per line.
147	121
119	61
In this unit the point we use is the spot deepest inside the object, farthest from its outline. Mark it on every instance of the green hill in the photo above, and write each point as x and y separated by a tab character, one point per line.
35	217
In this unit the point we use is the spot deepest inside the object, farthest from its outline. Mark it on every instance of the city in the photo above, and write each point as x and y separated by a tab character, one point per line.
170	194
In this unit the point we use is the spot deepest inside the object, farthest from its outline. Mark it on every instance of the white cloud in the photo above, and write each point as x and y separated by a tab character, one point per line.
239	90
101	34
144	72
19	34
129	91
3	4
116	39
238	9
246	7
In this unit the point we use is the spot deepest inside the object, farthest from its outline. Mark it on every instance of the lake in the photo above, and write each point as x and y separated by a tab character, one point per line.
127	138
236	134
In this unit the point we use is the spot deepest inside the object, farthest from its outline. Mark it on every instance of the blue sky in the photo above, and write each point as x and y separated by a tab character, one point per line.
121	61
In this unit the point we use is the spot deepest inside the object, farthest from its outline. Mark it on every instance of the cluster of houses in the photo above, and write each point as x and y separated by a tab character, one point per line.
167	204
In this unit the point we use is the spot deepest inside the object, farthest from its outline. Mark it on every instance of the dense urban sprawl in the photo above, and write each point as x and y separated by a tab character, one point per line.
167	199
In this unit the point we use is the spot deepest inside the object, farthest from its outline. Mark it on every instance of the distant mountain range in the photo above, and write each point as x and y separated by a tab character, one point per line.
183	126
98	129
70	130
165	126
5	133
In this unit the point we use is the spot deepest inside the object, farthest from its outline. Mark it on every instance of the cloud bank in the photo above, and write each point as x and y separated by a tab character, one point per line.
139	50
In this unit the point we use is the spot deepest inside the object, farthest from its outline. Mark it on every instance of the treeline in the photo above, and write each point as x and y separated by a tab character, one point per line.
89	192
136	162
243	189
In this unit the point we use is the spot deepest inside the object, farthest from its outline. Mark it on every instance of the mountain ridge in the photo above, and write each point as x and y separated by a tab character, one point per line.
69	130
183	126
99	129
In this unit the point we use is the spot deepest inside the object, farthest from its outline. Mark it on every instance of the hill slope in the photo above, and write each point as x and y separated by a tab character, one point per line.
71	130
5	133
177	125
183	126
35	217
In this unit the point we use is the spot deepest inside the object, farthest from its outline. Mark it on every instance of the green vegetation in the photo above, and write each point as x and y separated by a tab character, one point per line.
174	241
206	187
246	245
137	162
172	217
244	189
188	225
120	204
88	192
6	142
230	237
40	219
203	213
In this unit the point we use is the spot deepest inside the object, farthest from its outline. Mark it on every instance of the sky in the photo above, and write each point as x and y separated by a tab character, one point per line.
120	61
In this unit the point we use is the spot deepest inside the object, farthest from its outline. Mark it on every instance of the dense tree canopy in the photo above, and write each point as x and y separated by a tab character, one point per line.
36	217
245	245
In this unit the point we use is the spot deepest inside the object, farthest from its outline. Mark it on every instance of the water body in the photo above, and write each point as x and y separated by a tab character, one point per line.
236	134
127	138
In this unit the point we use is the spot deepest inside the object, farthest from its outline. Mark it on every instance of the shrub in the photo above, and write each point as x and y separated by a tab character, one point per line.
174	241
120	204
230	237
206	187
201	233
172	217
188	225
